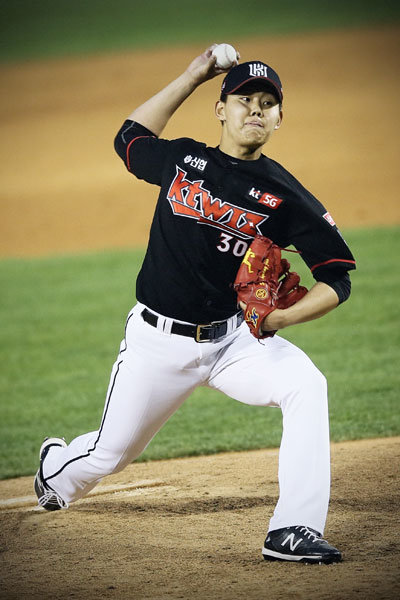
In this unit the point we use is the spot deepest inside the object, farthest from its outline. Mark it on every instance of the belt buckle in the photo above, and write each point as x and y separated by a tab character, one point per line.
198	333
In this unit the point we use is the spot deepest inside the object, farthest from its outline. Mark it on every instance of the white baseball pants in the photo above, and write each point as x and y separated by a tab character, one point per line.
156	371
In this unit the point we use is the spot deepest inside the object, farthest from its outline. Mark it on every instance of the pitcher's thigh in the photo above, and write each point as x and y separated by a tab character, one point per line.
265	373
137	406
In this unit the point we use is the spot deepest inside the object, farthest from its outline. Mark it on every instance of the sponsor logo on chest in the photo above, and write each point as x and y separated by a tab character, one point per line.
194	161
191	199
265	198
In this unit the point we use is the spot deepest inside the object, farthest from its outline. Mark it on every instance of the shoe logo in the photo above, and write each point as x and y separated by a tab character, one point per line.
290	538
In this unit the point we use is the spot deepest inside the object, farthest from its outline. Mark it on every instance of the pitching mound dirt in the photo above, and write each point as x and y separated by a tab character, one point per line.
194	527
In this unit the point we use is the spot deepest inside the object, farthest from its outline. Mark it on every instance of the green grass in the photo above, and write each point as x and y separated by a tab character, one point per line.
358	345
70	27
62	319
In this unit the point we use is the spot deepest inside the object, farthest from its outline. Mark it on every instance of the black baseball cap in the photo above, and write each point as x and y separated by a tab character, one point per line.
250	71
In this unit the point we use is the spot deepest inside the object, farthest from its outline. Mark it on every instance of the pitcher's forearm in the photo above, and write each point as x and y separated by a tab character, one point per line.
320	300
156	112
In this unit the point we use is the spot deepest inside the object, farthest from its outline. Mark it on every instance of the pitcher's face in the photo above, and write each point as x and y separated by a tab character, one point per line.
249	119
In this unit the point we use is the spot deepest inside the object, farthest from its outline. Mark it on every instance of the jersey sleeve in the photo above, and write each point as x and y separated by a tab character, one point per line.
314	233
143	153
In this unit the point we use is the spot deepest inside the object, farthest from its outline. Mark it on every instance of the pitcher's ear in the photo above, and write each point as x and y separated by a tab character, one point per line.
220	110
279	122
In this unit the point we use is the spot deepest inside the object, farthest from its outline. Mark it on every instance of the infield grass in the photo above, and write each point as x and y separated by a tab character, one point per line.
62	320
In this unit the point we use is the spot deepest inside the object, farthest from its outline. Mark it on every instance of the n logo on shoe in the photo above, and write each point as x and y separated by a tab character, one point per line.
290	538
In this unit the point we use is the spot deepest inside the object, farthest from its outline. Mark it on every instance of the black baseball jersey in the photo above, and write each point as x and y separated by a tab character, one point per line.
209	209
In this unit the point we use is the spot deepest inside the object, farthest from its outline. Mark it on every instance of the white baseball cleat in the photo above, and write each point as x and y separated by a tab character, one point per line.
47	497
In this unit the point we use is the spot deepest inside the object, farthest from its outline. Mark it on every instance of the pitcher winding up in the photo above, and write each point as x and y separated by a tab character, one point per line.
198	321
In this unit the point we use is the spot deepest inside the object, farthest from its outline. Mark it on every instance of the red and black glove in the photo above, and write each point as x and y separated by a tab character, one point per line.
264	282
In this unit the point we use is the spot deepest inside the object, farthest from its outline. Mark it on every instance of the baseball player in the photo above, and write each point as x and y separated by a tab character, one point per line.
186	329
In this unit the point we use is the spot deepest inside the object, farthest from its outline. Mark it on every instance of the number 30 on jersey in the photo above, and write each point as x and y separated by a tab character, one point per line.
230	244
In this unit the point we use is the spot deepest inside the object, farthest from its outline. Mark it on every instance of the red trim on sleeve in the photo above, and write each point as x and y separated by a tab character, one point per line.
128	164
351	262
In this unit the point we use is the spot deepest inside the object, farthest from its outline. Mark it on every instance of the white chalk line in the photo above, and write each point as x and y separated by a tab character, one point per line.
24	501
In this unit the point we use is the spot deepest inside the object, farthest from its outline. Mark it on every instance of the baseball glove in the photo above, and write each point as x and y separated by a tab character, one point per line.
264	282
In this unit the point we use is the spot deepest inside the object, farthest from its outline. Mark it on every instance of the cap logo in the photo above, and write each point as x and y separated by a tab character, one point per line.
258	70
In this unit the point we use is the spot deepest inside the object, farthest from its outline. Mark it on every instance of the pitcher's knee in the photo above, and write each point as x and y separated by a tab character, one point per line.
313	387
106	461
317	382
308	389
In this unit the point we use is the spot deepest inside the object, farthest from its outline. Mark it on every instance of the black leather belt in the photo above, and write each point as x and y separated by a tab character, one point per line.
201	333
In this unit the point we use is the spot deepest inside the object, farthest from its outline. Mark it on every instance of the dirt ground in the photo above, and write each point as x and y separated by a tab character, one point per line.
193	528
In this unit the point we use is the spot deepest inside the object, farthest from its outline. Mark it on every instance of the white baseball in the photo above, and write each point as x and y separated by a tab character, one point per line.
226	56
